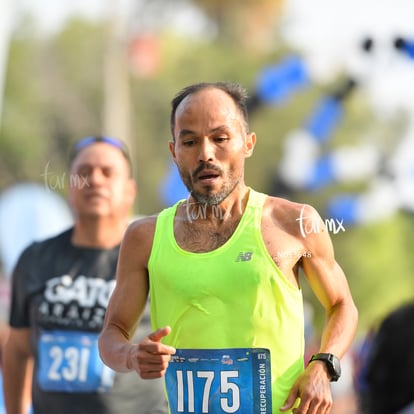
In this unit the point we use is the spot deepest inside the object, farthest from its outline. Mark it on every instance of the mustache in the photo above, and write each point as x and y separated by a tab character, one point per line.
206	166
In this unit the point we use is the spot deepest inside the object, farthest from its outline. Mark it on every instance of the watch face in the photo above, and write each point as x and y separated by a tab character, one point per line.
336	367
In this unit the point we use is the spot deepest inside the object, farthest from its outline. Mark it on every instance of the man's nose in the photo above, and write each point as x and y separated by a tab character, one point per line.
206	150
96	177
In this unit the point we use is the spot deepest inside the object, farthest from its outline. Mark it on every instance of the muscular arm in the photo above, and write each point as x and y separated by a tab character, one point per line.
329	284
126	307
17	366
299	233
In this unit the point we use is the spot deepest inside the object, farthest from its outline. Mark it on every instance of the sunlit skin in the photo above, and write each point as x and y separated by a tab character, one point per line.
210	146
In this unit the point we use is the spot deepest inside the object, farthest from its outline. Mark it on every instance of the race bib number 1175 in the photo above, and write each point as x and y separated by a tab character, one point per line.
220	381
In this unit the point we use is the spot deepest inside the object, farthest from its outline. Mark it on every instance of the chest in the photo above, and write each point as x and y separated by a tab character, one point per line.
285	250
202	236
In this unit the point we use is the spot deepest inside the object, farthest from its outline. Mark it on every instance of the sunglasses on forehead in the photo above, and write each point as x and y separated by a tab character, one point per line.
115	142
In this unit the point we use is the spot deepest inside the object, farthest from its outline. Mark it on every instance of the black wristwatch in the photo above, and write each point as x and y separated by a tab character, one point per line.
331	362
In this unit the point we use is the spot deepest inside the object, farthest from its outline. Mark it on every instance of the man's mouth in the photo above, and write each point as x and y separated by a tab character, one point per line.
207	176
95	195
206	172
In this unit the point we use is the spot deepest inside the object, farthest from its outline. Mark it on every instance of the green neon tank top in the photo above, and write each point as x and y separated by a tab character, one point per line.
231	297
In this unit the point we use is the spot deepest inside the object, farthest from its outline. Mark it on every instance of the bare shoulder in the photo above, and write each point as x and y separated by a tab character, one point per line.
142	226
140	232
291	216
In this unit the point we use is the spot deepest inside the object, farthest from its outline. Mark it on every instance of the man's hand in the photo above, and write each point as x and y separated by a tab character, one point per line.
313	389
150	357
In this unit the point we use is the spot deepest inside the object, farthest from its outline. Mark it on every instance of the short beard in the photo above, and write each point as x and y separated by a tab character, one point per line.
209	200
214	199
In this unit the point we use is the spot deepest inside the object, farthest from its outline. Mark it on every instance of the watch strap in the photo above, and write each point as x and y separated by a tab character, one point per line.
332	363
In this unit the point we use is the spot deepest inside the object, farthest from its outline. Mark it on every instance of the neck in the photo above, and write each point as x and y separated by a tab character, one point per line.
229	209
99	233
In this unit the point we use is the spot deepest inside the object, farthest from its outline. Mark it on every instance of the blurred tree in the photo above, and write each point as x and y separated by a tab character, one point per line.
248	23
24	111
5	33
53	96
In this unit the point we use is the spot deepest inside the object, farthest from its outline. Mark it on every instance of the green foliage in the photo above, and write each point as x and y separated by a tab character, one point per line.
53	94
24	122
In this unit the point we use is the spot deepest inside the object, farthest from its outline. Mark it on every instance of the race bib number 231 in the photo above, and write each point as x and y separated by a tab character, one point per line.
70	362
220	381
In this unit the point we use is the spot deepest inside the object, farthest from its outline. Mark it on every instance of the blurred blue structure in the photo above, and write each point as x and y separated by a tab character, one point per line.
277	82
2	403
345	207
324	119
405	46
307	148
322	174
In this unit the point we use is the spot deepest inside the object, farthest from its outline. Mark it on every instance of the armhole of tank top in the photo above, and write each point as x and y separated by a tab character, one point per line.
156	241
162	231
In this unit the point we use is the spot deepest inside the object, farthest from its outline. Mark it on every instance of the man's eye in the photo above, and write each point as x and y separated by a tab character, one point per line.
220	139
107	172
189	142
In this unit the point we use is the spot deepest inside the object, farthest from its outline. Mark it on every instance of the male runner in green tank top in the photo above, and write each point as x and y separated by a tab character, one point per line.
222	272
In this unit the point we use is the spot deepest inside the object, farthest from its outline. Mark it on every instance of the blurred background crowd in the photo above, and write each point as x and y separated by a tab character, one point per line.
331	101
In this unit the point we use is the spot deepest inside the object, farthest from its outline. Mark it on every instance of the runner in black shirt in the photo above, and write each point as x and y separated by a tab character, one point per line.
61	287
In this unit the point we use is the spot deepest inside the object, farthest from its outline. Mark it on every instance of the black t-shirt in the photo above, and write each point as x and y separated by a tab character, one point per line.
60	292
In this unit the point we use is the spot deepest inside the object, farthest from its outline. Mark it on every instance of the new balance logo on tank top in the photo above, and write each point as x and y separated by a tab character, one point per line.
232	297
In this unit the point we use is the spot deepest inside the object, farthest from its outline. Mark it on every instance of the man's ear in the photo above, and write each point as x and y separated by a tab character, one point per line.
249	144
171	146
